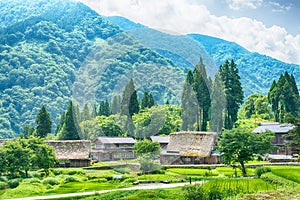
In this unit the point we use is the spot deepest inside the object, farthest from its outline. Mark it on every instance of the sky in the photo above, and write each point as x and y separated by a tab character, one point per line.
269	27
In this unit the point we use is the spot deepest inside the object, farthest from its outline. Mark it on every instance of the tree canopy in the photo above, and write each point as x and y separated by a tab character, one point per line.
238	145
43	122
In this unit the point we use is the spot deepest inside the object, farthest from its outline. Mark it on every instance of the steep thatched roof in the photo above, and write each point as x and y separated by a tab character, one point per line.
70	149
192	144
115	140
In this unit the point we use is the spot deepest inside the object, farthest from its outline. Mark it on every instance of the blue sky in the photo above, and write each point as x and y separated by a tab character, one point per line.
269	27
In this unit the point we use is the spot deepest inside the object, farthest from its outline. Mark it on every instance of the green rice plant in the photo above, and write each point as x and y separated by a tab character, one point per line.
32	180
69	178
194	172
3	179
288	172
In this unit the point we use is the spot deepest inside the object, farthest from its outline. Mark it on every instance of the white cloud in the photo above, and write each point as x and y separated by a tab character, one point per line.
239	4
183	17
277	7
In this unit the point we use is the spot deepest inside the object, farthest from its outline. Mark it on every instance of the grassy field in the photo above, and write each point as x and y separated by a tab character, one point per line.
60	181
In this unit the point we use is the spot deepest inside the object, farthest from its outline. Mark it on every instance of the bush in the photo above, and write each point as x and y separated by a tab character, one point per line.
3	179
261	170
2	185
13	183
71	179
193	192
50	181
34	175
32	180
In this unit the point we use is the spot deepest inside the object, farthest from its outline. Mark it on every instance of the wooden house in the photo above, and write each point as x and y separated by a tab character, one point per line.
190	148
162	140
71	153
113	148
279	140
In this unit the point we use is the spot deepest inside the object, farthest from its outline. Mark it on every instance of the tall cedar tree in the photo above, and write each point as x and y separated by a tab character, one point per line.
284	97
130	104
43	122
189	104
104	109
85	114
200	86
116	104
234	92
61	123
69	130
218	104
147	100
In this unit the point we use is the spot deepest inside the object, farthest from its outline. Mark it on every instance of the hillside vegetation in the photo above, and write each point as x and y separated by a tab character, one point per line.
47	46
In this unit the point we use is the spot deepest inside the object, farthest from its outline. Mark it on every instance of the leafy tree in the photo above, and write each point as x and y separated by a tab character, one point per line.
69	130
234	92
44	123
256	106
238	145
146	146
130	104
43	156
294	135
218	104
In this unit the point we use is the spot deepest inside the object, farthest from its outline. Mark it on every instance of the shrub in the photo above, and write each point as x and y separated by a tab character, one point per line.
193	192
71	179
261	170
32	180
13	183
2	185
34	175
3	179
50	181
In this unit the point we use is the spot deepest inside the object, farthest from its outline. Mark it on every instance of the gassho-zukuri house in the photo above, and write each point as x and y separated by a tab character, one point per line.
71	153
113	148
190	148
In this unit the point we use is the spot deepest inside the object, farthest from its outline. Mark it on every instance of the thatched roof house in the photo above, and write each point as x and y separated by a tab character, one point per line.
71	153
190	148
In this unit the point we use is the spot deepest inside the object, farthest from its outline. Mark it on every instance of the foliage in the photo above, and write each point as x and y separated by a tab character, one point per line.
130	104
43	122
240	146
50	181
69	130
256	106
2	185
295	136
146	146
233	90
284	97
194	192
13	183
104	109
21	155
147	101
262	170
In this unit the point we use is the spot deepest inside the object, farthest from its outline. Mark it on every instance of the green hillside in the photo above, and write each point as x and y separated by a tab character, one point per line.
257	71
47	46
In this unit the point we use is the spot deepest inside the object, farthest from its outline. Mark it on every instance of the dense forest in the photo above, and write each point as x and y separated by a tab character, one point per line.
52	52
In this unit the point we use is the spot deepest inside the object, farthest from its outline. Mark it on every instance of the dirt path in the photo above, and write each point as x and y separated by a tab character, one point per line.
139	187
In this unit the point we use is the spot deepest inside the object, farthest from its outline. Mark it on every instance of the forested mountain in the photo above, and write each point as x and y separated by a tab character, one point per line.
46	49
257	71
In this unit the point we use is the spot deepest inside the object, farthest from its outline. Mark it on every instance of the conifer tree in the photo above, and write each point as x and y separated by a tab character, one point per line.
145	100
189	104
200	86
85	114
61	123
44	123
69	130
218	104
116	104
234	92
130	104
